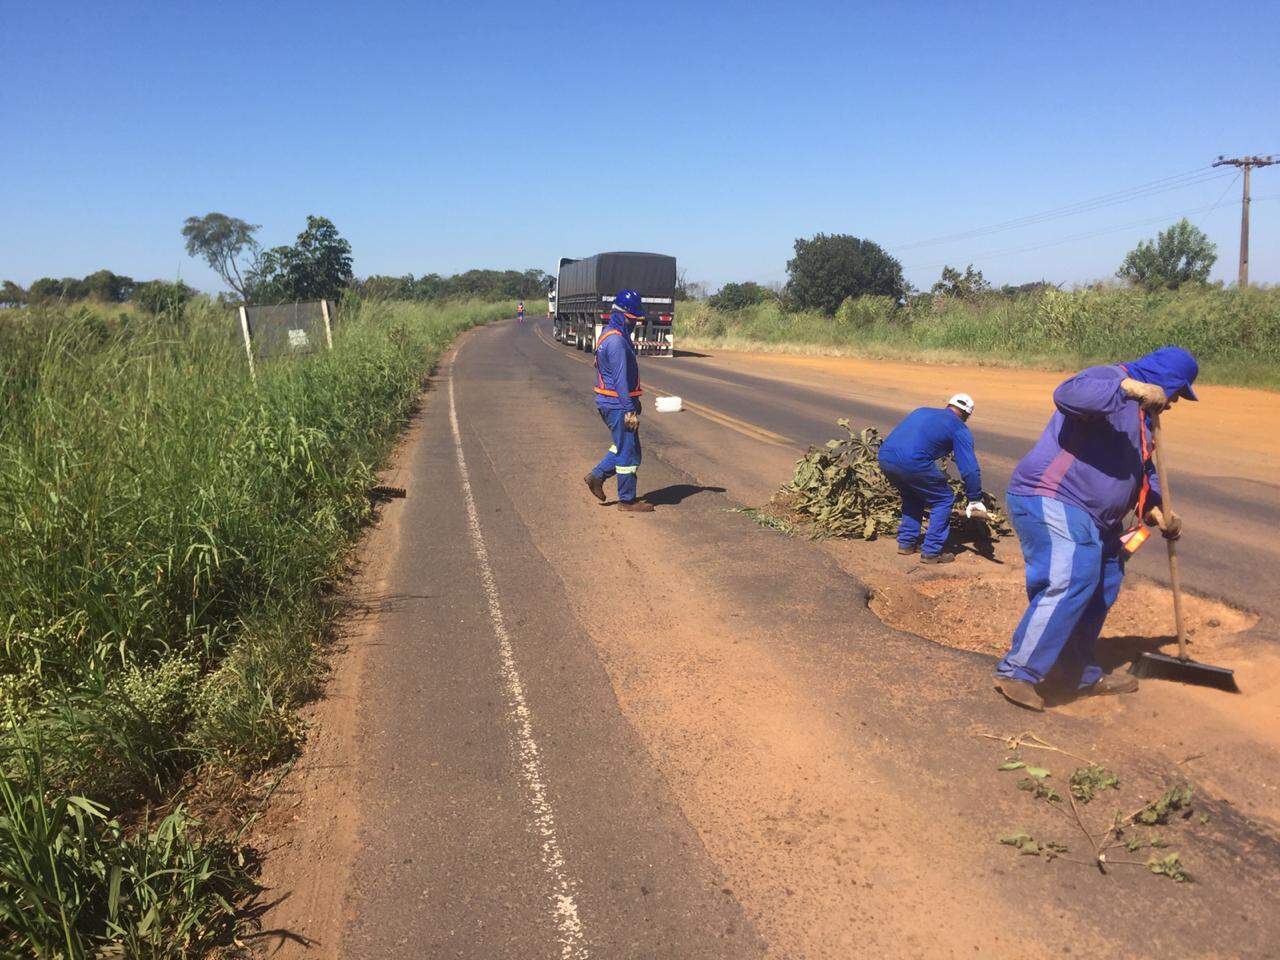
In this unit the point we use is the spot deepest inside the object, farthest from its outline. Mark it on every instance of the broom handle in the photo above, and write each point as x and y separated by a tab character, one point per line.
1166	507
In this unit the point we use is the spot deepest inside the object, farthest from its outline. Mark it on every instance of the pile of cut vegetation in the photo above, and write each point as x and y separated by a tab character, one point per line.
839	490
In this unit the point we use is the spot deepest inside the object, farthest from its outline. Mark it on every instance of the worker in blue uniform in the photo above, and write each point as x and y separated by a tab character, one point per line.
618	400
909	458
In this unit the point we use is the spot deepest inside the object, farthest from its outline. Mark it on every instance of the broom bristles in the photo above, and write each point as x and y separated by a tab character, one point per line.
1164	667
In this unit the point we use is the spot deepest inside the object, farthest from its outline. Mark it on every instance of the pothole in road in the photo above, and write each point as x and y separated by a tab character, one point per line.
979	611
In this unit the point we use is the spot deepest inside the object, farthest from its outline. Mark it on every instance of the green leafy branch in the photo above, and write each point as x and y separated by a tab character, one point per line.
1084	785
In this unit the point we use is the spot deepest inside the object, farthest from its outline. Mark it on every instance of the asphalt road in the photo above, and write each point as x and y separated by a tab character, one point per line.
1229	550
587	734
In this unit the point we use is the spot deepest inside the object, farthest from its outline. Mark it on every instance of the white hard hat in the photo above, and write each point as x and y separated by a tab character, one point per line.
961	401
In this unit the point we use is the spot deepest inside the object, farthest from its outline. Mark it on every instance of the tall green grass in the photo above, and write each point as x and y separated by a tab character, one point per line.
171	533
1234	333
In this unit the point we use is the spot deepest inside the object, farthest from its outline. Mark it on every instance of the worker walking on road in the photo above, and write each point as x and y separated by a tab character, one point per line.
520	312
1068	499
618	400
909	458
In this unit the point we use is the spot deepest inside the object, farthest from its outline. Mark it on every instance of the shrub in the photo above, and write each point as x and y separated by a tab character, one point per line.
829	269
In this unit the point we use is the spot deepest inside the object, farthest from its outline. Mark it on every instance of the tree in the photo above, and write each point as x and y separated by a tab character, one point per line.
160	296
687	289
739	296
223	242
1181	254
831	268
45	290
317	267
108	287
12	295
1023	289
969	285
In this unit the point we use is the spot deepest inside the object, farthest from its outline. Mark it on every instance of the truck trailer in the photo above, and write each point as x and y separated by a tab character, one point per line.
584	292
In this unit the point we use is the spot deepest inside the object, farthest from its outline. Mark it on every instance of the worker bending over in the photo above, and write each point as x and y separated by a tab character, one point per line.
909	458
618	400
1068	499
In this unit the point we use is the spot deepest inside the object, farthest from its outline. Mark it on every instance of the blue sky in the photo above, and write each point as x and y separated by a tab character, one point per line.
441	137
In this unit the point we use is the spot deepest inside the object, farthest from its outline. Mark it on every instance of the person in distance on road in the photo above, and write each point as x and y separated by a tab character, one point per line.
618	400
909	458
1068	499
520	312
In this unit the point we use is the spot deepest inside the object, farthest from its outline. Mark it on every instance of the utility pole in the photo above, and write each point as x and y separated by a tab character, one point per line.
1246	164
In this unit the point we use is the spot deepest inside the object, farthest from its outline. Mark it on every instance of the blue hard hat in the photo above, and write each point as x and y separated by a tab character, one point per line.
629	302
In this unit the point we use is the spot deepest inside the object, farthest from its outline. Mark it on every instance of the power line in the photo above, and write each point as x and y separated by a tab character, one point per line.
1218	202
1153	188
1080	236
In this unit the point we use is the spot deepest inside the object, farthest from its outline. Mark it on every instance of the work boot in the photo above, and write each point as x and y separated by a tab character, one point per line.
1020	692
596	486
907	551
937	558
635	506
1112	683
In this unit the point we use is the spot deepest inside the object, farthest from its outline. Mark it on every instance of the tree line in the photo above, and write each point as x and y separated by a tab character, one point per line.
829	269
316	266
101	286
482	284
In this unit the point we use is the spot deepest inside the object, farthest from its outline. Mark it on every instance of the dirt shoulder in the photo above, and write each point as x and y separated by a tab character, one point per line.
1232	430
310	833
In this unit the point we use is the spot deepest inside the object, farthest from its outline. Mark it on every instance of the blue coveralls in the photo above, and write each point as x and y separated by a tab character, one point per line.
1074	571
1068	499
617	393
909	458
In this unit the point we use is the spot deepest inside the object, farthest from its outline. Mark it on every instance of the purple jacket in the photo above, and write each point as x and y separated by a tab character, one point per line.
1090	454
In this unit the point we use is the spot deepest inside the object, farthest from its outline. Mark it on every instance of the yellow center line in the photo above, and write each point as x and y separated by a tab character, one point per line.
709	413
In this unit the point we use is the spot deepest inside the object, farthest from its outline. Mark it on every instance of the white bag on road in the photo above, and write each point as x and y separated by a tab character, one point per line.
668	404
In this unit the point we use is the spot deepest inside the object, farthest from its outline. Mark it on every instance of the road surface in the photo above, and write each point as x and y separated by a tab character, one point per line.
567	732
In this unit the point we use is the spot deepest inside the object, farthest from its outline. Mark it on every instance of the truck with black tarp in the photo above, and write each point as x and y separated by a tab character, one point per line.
584	292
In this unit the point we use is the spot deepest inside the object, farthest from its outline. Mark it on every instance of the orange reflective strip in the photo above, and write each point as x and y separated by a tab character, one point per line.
600	387
1146	453
1145	450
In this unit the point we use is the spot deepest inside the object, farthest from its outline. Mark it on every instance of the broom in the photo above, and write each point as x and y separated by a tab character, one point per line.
1181	668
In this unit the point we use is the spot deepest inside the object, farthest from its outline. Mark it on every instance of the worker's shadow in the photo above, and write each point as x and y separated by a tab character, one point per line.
972	535
677	493
1115	652
1112	654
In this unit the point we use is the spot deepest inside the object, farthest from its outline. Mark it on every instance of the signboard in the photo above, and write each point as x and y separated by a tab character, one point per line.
285	330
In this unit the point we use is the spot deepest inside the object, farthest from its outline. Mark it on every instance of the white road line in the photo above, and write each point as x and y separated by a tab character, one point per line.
564	904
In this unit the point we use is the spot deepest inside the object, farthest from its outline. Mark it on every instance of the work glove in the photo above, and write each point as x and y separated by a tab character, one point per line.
1151	396
976	507
631	421
1170	525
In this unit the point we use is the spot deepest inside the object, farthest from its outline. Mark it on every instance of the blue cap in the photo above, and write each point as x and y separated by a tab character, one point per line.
1172	368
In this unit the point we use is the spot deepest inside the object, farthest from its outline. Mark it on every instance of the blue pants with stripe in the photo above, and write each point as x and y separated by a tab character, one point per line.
920	489
623	457
1073	578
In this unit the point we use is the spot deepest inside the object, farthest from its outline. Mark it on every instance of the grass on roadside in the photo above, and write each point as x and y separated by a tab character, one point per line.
172	535
1235	334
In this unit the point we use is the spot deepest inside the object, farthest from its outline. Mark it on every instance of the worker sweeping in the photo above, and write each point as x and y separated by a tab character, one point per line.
909	459
618	400
1068	499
